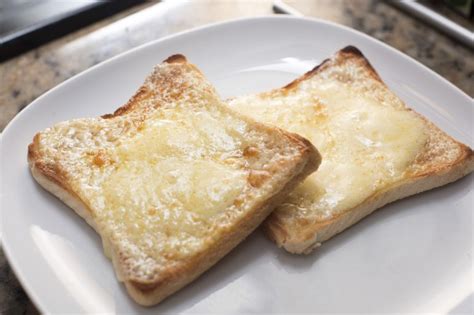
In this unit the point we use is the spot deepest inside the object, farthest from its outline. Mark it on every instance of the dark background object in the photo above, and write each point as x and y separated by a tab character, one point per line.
439	14
26	24
430	13
465	7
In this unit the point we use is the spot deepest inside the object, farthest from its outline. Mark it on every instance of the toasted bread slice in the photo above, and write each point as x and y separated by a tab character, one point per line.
173	180
375	150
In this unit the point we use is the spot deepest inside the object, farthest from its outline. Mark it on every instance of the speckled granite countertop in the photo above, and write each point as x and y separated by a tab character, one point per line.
28	76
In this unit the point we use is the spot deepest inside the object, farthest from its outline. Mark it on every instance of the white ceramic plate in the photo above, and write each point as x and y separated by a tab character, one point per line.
413	256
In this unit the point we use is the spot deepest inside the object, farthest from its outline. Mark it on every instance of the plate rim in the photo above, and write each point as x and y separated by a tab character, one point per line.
8	248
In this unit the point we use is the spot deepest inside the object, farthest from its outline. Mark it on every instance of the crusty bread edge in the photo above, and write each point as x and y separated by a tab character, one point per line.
303	242
314	234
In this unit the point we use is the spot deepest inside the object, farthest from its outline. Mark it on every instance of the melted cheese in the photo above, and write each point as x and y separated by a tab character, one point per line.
161	189
365	145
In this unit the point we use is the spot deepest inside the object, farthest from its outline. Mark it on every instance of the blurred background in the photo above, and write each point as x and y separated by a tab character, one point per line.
44	42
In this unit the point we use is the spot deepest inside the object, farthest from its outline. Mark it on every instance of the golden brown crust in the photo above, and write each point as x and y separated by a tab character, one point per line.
430	160
293	84
178	58
348	52
51	171
144	93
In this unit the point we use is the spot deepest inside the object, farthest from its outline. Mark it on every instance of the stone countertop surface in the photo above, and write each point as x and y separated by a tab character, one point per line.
27	76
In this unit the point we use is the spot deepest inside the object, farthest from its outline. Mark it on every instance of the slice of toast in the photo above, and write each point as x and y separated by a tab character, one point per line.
375	150
173	180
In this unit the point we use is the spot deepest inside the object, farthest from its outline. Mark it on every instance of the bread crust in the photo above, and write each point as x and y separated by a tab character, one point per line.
431	169
151	291
311	235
